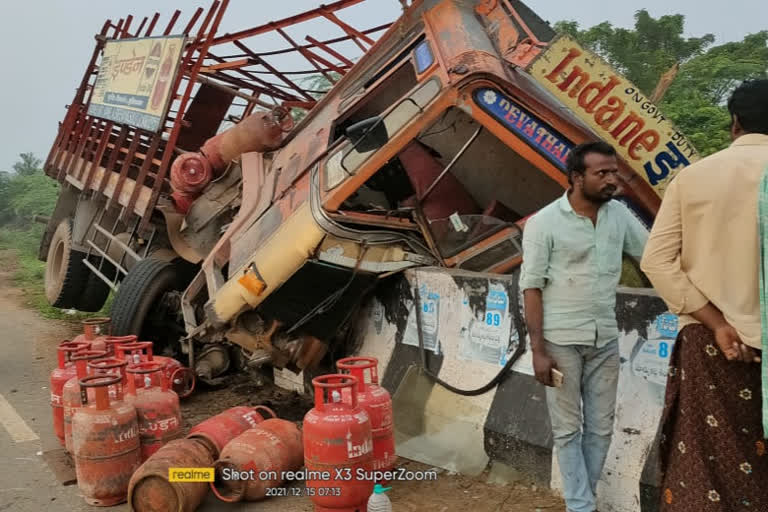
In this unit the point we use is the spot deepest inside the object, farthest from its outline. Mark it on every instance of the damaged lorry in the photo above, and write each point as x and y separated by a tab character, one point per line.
241	213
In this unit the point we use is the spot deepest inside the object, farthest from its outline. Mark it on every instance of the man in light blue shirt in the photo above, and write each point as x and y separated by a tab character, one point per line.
572	262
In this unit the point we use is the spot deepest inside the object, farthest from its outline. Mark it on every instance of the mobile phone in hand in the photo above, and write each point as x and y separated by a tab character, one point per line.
557	378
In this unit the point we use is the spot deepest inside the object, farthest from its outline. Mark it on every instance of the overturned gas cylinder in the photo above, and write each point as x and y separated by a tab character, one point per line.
150	489
258	460
217	431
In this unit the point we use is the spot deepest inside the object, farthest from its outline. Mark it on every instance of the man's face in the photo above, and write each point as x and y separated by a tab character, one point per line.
601	178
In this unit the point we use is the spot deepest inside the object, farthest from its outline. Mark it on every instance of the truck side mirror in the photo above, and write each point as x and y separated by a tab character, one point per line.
368	135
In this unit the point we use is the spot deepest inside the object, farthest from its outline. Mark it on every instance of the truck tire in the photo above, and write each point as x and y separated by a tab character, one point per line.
95	291
65	274
139	294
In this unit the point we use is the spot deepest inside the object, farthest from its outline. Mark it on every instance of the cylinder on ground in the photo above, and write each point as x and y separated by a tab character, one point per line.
271	449
337	436
105	443
217	431
95	332
157	407
378	404
70	393
64	371
150	490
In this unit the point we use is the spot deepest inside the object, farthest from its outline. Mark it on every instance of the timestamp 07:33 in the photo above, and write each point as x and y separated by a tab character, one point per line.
303	491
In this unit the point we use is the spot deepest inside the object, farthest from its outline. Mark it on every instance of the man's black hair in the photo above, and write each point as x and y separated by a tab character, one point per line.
575	161
749	104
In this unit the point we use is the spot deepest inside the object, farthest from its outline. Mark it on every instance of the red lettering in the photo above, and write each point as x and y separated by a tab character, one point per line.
647	140
542	132
529	128
572	54
631	119
602	91
522	120
512	115
610	112
577	73
549	143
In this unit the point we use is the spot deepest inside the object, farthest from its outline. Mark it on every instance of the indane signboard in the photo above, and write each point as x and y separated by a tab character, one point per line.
615	109
135	81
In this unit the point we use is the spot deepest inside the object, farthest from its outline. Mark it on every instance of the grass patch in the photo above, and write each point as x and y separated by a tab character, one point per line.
21	246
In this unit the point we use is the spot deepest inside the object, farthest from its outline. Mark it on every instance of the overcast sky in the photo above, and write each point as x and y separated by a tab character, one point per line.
47	43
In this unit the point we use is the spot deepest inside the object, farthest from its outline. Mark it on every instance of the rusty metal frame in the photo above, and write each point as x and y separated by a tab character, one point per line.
87	151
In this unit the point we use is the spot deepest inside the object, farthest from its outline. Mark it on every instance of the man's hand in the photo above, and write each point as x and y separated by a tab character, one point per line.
542	367
732	347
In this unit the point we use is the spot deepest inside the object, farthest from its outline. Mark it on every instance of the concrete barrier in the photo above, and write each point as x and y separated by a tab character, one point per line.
471	324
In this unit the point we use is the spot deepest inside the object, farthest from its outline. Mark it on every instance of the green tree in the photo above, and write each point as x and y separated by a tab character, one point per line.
695	101
641	54
26	192
28	165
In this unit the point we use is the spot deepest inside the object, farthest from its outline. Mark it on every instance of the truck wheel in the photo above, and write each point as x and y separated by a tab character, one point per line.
65	274
95	291
147	303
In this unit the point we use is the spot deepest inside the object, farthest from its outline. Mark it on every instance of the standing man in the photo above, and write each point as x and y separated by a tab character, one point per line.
572	262
704	259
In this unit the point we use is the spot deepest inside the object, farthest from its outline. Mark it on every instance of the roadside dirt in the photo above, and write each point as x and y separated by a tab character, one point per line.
450	492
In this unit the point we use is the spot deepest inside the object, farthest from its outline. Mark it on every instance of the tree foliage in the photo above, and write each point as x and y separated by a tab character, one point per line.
26	192
695	101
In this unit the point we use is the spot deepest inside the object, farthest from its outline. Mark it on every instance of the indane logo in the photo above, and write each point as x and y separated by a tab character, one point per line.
358	450
625	114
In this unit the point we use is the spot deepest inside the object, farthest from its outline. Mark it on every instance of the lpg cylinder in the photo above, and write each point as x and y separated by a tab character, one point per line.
64	371
260	131
337	436
95	332
70	393
113	341
269	450
157	407
109	366
105	442
151	490
180	378
217	431
378	404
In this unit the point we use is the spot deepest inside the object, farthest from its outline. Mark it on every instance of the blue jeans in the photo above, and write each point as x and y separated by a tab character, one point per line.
582	440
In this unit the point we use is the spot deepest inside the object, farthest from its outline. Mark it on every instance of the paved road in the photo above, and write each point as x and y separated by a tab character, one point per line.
27	484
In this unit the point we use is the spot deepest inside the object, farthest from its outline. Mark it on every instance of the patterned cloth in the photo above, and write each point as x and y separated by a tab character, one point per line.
713	454
762	222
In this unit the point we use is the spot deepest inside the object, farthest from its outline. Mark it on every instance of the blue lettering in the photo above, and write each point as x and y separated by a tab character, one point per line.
664	161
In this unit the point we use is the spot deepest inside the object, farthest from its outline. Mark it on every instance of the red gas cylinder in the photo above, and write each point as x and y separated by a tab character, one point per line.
95	332
59	376
217	431
70	393
190	174
157	407
105	442
181	379
113	341
337	436
378	404
260	132
259	459
109	366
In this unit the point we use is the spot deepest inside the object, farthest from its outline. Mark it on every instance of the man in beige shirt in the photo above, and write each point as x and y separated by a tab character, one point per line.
703	258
